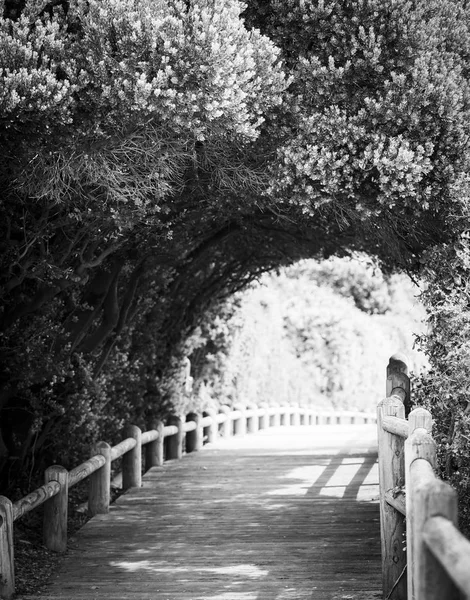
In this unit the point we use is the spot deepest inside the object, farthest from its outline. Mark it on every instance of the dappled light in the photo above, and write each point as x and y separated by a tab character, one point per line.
271	516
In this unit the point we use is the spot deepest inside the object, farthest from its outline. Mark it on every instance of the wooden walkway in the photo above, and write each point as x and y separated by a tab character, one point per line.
284	514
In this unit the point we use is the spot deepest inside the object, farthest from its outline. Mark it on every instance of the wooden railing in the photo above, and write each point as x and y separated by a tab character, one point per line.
181	436
417	509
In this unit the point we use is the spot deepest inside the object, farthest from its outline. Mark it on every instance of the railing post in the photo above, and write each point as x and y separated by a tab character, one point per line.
132	460
99	483
311	417
276	418
295	418
398	382
263	422
419	444
392	523
55	511
194	439
252	422
174	448
7	563
426	497
429	497
239	425
284	416
212	429
226	426
154	449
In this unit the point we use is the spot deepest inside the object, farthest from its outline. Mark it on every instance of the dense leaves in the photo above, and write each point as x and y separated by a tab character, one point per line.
157	157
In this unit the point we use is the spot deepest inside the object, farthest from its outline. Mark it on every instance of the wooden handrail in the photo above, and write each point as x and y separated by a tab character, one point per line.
451	548
86	469
395	425
415	502
54	493
35	499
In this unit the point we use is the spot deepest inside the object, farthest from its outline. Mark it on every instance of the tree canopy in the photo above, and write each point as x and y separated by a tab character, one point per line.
157	156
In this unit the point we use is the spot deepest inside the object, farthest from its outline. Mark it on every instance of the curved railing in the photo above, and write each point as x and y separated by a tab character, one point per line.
418	511
163	442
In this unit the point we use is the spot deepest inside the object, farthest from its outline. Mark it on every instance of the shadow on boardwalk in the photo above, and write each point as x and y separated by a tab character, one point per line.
286	514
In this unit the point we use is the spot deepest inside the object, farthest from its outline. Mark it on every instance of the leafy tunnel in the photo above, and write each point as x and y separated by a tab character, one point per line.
156	158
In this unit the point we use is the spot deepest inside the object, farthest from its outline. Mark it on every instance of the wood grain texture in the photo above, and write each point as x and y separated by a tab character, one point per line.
7	566
396	425
154	449
285	514
56	510
132	460
451	548
392	476
398	501
120	449
35	499
86	469
99	484
429	497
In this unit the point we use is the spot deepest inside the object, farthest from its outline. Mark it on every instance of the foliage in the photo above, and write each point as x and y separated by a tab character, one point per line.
337	334
308	334
158	157
357	278
379	107
444	389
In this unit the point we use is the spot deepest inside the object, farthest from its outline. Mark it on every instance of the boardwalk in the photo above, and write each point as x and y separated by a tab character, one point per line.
286	514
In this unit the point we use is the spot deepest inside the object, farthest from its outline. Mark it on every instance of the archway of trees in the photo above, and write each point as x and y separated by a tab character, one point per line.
157	157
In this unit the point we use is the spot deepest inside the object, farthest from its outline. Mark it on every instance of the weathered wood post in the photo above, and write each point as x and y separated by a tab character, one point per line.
194	438
226	427
154	449
398	382
174	445
7	562
391	477
132	460
252	420
263	416
212	429
239	425
295	415
284	417
55	510
99	483
419	444
427	496
276	417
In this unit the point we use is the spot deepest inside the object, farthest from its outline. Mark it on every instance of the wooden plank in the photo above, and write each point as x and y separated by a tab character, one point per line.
286	514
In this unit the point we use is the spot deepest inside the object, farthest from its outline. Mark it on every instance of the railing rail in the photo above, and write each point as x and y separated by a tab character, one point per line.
180	435
416	504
